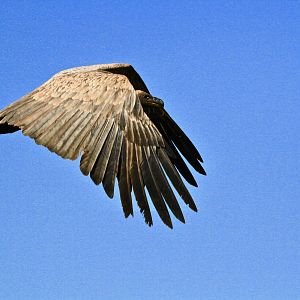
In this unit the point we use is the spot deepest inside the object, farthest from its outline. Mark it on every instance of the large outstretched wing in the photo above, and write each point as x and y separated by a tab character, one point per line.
96	114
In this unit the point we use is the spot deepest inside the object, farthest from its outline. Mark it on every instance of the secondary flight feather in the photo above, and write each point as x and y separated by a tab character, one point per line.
106	115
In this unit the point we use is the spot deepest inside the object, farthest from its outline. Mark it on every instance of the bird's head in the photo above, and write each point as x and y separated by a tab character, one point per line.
148	100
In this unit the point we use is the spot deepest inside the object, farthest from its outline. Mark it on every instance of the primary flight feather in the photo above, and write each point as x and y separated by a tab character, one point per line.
106	114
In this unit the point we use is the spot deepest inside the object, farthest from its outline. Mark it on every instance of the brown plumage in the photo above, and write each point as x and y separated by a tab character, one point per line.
106	114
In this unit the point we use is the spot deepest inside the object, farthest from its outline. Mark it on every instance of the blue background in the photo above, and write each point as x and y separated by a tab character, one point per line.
229	74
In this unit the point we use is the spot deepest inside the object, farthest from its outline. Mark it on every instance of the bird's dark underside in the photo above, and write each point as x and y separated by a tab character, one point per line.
106	114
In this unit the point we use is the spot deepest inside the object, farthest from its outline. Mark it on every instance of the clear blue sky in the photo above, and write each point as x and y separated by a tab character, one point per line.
229	73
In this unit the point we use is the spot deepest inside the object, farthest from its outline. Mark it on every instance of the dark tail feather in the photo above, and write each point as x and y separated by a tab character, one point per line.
5	128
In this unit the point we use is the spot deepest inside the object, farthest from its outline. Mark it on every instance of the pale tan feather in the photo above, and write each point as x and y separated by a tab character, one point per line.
61	114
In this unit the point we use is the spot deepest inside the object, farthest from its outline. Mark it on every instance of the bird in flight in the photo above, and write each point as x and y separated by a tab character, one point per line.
106	114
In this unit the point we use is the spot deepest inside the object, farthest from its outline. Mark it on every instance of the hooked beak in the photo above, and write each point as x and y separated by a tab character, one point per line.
157	102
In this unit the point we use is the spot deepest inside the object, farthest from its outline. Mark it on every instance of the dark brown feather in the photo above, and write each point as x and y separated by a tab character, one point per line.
138	185
5	128
164	186
155	194
176	179
100	165
183	144
176	158
112	167
183	140
124	178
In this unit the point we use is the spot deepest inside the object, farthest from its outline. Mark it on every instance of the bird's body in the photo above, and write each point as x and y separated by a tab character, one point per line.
106	114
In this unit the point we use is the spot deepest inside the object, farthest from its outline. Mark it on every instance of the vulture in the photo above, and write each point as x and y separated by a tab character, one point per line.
106	114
